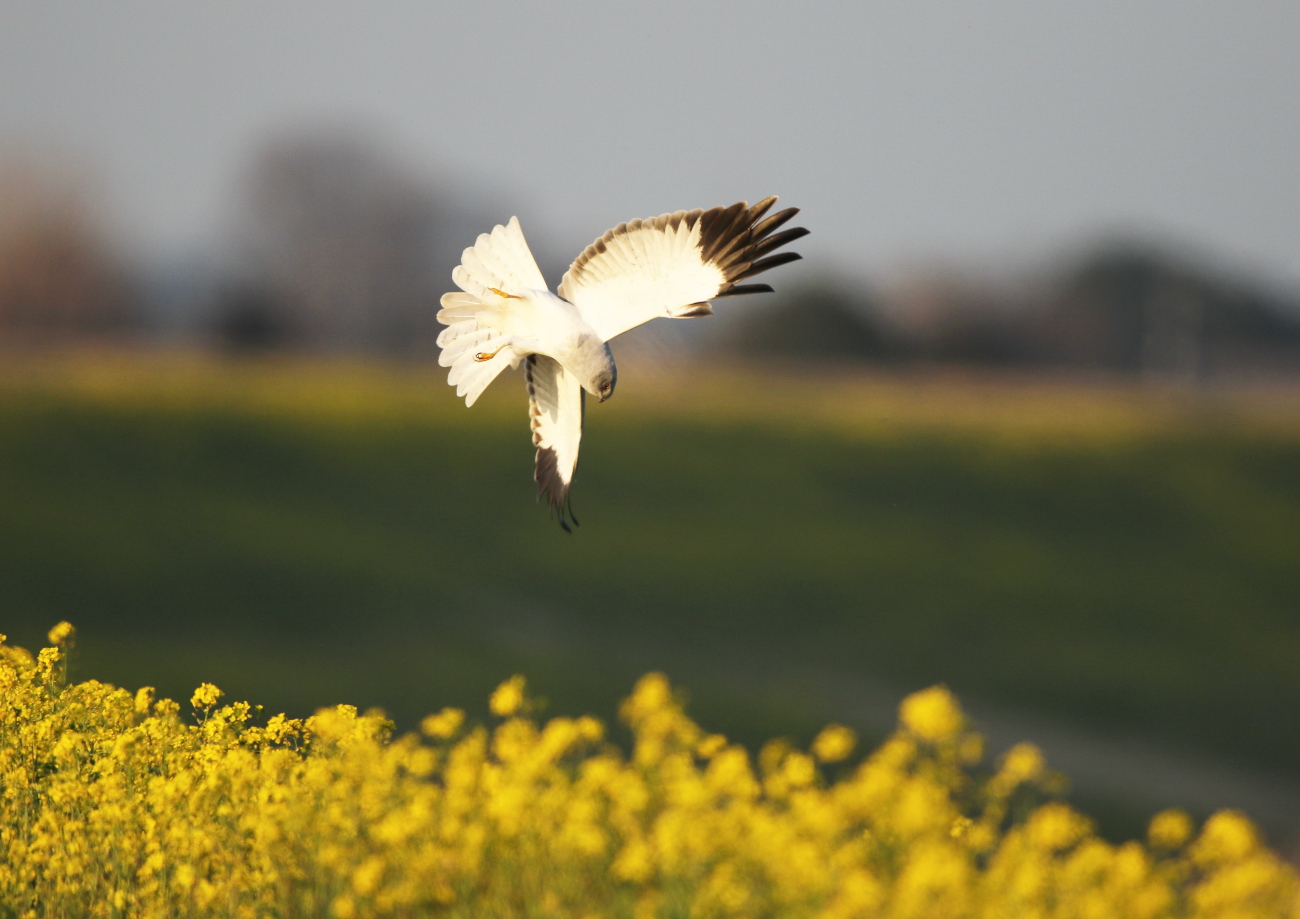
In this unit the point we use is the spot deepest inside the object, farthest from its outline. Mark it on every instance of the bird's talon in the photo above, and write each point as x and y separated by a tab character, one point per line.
481	357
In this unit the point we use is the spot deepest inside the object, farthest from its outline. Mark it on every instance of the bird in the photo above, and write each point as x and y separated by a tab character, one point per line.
504	315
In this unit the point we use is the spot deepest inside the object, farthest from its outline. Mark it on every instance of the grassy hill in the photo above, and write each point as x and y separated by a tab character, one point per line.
303	534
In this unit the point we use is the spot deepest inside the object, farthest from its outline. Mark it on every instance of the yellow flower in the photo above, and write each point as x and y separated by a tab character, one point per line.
143	699
205	696
834	743
111	804
1169	829
590	729
1226	837
932	714
798	770
507	698
1055	827
1022	763
634	862
367	875
444	724
710	746
651	695
61	633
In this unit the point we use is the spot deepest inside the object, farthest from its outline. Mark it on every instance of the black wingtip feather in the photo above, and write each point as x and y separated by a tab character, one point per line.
758	210
719	229
550	486
777	240
738	290
776	221
763	264
563	513
738	240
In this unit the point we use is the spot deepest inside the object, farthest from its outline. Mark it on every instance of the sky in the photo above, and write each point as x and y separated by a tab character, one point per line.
974	133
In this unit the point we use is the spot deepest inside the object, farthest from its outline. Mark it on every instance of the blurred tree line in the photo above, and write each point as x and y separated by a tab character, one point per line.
1124	307
337	247
340	249
60	277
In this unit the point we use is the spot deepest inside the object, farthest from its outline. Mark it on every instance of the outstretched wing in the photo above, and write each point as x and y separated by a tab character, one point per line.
672	264
556	403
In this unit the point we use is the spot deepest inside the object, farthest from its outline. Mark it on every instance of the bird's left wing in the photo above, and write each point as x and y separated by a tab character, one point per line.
673	264
556	403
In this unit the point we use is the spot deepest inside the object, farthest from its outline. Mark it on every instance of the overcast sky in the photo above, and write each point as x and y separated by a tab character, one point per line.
977	132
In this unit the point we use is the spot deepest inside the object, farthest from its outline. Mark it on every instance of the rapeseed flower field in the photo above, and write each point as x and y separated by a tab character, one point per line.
119	804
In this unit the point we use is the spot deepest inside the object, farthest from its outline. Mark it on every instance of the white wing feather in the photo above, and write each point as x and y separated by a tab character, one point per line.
647	269
670	265
555	408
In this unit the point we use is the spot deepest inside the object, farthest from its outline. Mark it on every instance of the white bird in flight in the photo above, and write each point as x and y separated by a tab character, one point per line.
668	266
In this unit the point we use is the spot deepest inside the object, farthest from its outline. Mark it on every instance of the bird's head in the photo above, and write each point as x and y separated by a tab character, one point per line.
599	375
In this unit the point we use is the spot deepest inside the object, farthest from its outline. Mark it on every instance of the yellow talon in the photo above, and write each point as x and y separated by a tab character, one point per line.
502	293
481	357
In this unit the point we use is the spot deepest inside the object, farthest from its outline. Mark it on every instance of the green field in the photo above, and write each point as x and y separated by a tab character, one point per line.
303	534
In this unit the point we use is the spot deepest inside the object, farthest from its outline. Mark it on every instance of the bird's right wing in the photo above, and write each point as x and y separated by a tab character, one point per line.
671	265
556	403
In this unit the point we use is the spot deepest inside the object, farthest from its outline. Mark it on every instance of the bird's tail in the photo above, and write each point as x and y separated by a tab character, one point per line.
497	269
499	261
471	344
